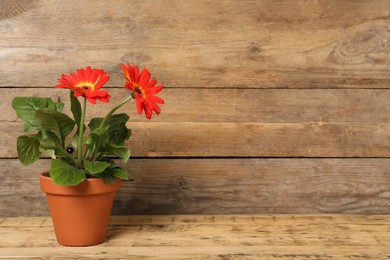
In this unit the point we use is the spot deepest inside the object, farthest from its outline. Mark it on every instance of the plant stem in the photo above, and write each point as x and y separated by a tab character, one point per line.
114	109
81	133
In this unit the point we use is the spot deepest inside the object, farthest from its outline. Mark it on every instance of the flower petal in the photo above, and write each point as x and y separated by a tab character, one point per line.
86	82
143	89
154	90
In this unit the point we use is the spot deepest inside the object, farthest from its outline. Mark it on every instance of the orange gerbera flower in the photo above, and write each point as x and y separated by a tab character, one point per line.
86	82
144	89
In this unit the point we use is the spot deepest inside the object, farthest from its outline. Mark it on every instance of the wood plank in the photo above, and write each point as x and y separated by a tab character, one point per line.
276	123
223	235
187	139
220	219
234	44
224	186
251	237
191	252
235	105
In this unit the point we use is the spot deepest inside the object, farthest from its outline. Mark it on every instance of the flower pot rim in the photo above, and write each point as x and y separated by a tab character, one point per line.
92	186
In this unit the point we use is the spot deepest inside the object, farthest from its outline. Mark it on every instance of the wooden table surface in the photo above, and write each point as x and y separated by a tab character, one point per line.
209	236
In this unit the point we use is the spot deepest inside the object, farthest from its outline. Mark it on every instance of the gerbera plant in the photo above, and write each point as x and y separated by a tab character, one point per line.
78	152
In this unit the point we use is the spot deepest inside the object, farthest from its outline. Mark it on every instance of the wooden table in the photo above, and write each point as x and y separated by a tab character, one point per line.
209	236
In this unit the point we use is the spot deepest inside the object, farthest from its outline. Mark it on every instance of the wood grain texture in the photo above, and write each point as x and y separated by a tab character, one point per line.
209	236
365	106
244	81
229	44
224	186
241	123
14	8
186	139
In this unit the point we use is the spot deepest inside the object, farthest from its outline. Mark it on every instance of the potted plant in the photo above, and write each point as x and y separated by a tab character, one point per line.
83	177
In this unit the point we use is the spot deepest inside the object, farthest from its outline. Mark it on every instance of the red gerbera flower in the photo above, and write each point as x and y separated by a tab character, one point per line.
86	82
144	89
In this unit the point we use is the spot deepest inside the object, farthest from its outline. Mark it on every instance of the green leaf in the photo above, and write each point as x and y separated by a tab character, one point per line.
120	173
26	107
64	174
95	123
58	123
51	145
49	139
97	139
120	135
62	154
95	167
28	148
75	107
113	172
107	177
118	132
121	151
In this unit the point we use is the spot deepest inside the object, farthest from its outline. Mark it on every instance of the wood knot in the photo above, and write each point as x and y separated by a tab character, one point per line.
369	41
254	49
371	45
179	191
136	58
13	8
179	183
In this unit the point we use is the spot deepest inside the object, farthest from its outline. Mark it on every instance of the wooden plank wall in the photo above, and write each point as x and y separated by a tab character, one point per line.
271	106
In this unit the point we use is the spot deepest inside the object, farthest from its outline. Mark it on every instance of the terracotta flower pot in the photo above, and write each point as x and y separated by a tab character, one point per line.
81	213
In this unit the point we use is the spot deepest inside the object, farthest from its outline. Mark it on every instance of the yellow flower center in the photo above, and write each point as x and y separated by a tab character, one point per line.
139	90
86	86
